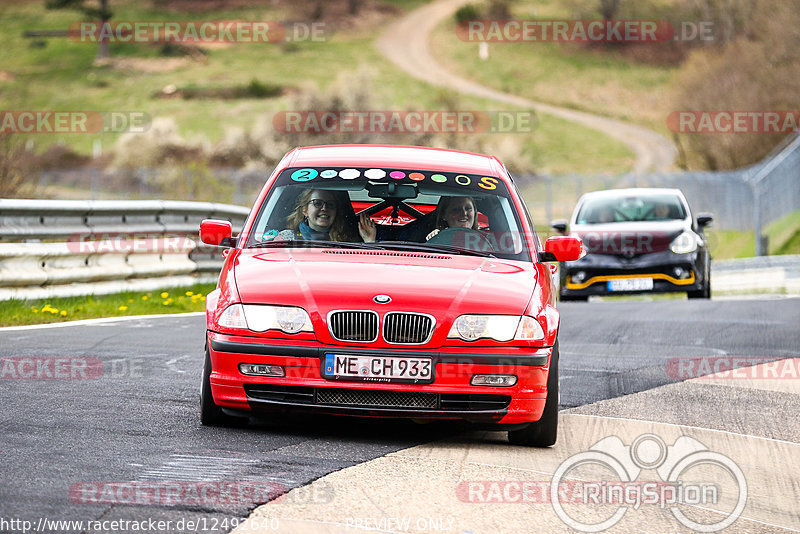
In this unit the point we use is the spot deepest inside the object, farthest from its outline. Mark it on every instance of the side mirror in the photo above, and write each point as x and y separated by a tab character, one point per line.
214	232
704	219
559	226
561	248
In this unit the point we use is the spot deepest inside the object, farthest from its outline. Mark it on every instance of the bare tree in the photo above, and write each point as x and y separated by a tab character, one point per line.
609	8
16	167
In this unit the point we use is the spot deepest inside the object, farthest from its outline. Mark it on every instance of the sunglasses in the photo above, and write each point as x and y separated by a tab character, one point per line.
320	204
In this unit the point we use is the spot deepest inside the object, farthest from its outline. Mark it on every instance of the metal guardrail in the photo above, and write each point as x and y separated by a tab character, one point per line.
764	274
62	248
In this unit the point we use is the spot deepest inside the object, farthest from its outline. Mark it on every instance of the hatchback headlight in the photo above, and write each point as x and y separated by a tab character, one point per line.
497	327
685	243
288	319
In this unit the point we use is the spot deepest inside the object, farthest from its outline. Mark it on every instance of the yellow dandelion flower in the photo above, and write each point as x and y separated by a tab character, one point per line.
165	303
144	297
63	313
122	308
35	310
189	293
164	294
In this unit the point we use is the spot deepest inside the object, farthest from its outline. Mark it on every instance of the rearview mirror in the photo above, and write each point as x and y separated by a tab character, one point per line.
392	190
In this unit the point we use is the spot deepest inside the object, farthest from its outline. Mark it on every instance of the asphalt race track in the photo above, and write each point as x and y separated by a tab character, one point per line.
138	421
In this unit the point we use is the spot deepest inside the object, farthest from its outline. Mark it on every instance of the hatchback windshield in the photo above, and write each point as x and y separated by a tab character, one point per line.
397	208
603	210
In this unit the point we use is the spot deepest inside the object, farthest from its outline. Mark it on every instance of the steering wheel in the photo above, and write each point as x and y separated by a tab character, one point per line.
463	237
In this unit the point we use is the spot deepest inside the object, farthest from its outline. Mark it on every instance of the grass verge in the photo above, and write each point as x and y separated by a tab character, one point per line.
600	80
58	310
783	235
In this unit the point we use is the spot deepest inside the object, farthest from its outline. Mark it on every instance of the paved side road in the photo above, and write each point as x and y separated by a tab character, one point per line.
405	43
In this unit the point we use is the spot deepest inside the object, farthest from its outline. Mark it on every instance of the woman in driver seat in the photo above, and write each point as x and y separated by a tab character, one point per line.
454	212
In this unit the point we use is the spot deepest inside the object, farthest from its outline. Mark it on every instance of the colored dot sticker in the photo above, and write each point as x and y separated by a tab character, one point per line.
328	174
441	178
463	180
397	174
304	175
349	174
375	174
416	176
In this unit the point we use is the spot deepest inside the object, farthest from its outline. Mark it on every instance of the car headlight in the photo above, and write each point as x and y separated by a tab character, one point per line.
497	327
685	243
288	319
233	317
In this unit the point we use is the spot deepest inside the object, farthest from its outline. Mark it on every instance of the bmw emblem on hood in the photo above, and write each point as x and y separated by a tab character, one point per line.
382	299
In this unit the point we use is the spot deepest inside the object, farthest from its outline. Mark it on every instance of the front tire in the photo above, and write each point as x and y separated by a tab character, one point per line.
544	432
210	413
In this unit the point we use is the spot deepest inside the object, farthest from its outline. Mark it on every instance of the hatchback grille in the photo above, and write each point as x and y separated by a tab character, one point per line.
414	328
354	325
389	399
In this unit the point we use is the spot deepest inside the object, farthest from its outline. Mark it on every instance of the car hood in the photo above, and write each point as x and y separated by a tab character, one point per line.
629	237
325	280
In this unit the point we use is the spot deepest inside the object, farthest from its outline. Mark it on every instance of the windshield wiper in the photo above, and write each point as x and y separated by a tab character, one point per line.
427	247
299	243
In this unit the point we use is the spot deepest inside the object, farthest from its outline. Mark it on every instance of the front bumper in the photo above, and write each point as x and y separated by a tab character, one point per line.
449	396
599	269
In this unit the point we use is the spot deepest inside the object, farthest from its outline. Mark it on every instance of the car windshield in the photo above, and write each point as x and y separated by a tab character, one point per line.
473	214
651	207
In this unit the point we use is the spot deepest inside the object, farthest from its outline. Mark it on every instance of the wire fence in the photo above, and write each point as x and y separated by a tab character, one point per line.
744	199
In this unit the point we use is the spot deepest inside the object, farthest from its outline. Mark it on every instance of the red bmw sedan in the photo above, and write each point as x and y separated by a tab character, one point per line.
387	281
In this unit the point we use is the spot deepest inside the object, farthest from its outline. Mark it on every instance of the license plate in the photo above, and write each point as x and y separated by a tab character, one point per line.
630	284
377	368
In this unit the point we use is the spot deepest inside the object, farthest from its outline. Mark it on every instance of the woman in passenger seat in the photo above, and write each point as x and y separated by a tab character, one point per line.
321	215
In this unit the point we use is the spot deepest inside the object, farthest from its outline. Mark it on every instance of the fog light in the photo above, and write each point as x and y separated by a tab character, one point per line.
579	277
680	272
261	370
494	380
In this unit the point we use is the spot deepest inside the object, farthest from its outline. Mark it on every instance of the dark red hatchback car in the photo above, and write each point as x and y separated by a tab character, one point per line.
387	281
